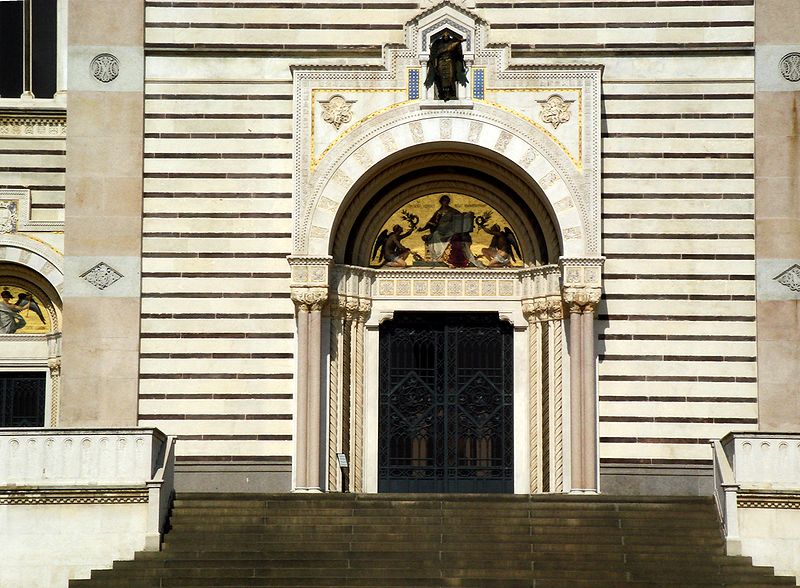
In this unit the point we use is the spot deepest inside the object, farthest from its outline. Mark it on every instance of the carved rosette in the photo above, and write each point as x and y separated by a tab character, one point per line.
555	110
337	110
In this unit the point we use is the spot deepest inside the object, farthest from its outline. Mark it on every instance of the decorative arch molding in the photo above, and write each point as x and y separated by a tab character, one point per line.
574	209
360	218
38	257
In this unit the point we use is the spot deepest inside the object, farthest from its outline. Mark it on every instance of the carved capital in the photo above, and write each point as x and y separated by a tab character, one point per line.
309	299
364	307
581	300
544	308
555	308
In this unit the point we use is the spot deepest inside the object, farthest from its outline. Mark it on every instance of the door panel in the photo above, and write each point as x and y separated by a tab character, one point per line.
446	413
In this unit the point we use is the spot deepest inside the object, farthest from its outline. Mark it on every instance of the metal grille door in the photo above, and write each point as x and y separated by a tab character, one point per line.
22	398
446	412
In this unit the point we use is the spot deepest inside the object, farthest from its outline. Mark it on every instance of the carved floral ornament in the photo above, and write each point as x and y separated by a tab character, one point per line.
790	278
309	299
337	110
555	110
582	300
105	67
101	276
549	308
8	216
790	67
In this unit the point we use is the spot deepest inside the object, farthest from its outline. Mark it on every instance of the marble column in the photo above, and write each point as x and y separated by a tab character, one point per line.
583	389
309	303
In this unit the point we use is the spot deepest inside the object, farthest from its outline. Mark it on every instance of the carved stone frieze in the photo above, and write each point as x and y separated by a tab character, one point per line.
29	125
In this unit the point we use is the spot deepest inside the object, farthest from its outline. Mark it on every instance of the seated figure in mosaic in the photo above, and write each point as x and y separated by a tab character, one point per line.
449	239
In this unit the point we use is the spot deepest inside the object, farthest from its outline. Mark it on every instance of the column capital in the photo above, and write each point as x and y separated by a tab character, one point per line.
309	299
543	308
581	300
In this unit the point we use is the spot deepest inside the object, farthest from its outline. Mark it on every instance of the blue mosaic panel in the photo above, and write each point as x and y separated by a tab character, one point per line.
413	84
477	83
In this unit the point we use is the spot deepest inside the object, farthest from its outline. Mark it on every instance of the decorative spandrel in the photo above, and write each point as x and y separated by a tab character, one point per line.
21	312
446	230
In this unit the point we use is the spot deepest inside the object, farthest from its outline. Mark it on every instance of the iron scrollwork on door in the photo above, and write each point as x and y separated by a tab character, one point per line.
446	411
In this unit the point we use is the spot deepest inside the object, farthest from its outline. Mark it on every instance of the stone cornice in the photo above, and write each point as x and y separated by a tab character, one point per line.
43	495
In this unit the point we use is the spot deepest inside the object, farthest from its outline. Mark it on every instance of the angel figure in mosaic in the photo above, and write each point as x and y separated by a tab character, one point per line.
501	250
390	244
11	319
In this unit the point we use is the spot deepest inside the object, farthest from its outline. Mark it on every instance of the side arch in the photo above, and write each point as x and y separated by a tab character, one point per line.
563	188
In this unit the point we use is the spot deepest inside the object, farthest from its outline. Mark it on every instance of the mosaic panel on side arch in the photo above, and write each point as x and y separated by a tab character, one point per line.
22	312
446	229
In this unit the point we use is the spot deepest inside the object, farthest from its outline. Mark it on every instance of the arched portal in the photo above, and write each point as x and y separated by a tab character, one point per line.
342	202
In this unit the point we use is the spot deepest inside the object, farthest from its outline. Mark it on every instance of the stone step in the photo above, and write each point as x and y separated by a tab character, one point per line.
470	541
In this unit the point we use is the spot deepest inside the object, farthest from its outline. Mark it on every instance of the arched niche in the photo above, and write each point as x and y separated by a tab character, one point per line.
30	267
441	167
16	279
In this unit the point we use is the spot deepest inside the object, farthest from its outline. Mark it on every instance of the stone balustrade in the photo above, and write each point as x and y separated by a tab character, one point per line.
97	495
75	457
767	461
757	489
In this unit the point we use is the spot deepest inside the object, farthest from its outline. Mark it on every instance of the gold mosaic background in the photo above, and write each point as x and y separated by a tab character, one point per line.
33	324
425	206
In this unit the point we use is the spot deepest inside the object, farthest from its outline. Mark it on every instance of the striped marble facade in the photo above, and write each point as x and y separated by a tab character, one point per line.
677	327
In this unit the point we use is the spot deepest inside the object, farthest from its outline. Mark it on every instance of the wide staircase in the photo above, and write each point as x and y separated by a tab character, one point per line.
385	541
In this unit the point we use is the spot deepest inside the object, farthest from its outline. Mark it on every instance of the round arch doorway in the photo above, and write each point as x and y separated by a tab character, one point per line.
343	299
446	415
442	400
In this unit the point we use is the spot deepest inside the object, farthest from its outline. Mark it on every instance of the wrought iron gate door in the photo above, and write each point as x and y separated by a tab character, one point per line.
446	411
